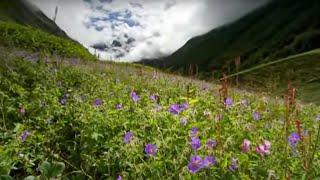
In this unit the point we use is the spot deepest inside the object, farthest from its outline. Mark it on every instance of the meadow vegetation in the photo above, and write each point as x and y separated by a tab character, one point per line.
95	120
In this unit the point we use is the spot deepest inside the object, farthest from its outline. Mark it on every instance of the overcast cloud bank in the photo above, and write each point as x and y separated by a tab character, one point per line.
130	30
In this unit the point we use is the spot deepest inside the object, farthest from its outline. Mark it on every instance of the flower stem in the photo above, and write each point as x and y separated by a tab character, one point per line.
314	150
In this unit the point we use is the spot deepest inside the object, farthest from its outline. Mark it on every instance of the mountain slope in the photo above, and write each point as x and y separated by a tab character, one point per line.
22	25
302	70
23	12
277	30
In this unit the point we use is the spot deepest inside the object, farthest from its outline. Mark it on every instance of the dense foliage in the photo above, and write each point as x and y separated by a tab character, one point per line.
100	121
15	35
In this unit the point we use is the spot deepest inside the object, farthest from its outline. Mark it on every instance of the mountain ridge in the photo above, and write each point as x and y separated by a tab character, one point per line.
276	30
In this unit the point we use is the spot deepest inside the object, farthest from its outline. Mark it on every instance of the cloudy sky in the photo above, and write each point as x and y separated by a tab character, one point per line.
129	30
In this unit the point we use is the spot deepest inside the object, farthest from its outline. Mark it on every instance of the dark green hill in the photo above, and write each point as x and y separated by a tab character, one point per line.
277	30
25	13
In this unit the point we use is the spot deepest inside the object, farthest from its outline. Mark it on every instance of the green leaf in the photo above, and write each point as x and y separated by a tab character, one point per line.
52	170
30	178
5	177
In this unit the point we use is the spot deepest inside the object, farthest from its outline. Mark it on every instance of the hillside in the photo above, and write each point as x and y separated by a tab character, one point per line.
23	12
22	25
96	120
301	69
277	30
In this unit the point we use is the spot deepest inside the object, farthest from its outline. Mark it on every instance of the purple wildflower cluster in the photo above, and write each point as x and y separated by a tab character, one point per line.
196	163
63	100
228	102
294	139
245	147
195	143
194	132
264	149
234	164
128	137
178	108
211	143
97	102
119	106
134	96
150	149
25	135
256	116
154	97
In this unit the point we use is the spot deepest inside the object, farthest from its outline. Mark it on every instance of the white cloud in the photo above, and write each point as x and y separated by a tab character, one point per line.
158	27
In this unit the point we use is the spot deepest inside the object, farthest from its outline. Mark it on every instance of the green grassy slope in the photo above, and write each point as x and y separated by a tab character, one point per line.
23	12
23	25
61	123
26	37
277	30
303	70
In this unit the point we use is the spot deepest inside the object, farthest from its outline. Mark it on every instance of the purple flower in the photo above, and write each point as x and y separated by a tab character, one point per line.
195	164
178	108
63	101
119	178
150	149
184	121
119	106
184	106
175	109
256	115
21	110
25	135
128	137
134	96
97	102
211	143
267	144
228	102
209	161
195	143
234	164
293	139
194	131
318	117
264	149
154	97
245	147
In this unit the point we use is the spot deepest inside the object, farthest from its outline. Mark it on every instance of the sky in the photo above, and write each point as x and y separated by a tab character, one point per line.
131	30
